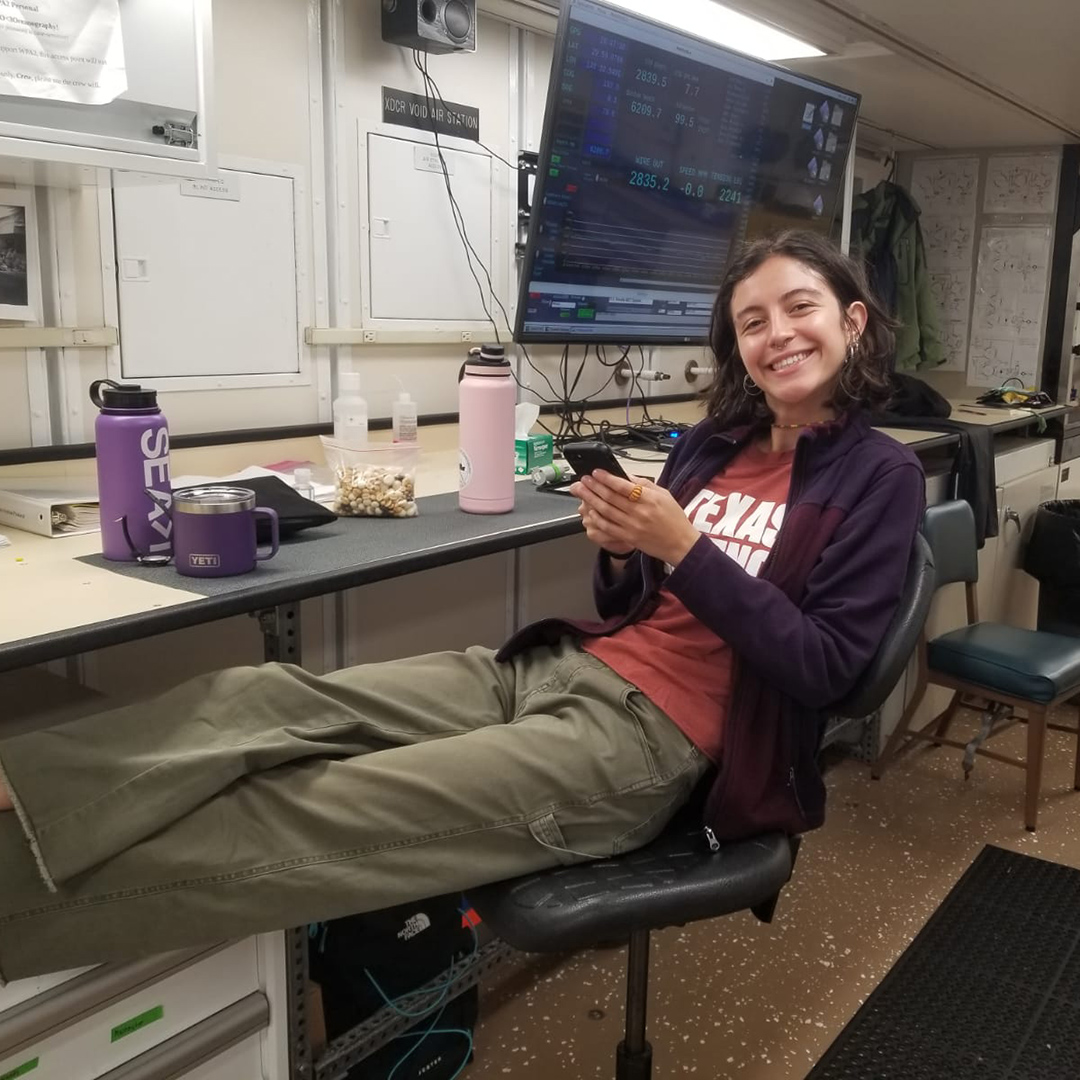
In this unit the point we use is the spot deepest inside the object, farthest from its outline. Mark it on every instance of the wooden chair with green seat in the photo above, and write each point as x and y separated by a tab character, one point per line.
1005	667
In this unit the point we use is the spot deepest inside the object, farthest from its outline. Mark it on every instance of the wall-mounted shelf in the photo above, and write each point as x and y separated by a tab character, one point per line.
58	337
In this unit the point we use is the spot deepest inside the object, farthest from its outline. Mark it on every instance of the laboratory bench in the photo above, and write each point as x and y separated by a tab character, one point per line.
238	1009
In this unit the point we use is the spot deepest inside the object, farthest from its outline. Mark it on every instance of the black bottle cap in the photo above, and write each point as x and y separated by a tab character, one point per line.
488	356
107	394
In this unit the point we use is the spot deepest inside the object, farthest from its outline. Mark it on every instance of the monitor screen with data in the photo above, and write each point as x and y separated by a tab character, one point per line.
661	153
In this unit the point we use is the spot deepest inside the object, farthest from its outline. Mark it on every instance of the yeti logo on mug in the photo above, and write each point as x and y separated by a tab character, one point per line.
204	560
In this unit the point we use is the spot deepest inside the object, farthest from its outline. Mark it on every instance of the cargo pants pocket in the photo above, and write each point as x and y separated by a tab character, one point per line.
547	832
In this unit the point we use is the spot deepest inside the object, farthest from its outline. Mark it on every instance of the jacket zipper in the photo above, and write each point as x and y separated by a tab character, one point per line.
795	791
794	491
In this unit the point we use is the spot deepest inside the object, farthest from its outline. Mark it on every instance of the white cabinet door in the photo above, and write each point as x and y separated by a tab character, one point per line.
208	276
167	58
1015	598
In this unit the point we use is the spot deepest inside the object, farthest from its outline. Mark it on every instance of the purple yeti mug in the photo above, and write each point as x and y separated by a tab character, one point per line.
214	531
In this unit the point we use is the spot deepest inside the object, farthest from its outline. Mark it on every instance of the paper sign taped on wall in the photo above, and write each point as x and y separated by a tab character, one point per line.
62	50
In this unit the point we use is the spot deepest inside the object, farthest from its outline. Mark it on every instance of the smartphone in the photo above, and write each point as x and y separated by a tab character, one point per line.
585	457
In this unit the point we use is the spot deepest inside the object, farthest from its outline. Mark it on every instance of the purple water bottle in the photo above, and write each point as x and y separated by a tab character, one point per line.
486	402
132	440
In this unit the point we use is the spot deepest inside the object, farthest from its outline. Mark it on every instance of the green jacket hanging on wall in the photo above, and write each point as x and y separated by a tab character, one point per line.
885	231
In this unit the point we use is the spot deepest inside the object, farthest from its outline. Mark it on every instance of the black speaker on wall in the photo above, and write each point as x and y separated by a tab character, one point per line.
435	26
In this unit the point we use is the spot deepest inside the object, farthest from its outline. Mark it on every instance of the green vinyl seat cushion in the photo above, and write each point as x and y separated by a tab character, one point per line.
1028	664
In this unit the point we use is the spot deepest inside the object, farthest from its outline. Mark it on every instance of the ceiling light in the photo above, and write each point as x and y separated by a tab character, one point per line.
714	22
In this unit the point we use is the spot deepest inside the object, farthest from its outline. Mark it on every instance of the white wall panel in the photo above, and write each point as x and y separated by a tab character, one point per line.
419	268
218	273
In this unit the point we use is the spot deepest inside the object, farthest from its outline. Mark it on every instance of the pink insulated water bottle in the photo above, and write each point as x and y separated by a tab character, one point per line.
486	400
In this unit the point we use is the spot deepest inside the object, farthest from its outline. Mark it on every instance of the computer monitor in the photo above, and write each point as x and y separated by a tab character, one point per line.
660	153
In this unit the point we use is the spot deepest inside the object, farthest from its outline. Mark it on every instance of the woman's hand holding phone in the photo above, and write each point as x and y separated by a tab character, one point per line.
616	520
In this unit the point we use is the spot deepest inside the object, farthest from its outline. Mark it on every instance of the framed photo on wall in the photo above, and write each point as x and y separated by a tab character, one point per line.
20	284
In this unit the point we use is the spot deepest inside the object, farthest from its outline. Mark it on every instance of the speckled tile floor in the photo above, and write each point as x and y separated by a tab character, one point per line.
735	998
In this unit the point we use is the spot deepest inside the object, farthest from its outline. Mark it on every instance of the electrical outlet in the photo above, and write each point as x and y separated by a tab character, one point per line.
466	335
370	335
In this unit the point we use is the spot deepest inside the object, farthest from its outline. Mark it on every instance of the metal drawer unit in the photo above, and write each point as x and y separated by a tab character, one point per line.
225	1046
107	1016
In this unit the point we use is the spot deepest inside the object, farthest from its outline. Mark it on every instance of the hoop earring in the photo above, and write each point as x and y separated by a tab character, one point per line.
843	385
854	350
750	388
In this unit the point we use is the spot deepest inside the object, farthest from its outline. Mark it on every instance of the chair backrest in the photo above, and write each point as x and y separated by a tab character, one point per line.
877	681
950	529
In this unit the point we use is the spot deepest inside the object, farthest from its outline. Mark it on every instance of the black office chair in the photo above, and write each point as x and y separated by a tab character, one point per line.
676	879
1007	667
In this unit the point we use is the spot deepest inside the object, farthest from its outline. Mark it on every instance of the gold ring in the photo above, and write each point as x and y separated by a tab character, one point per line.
634	493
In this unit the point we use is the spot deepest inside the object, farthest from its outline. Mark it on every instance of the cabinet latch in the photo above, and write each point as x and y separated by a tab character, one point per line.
175	134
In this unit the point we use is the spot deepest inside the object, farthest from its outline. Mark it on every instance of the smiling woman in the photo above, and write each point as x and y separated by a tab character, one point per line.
798	338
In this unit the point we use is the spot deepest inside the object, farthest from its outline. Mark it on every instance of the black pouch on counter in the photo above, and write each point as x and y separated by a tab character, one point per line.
293	510
402	947
912	397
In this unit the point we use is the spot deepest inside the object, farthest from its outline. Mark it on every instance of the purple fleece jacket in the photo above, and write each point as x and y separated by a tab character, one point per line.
803	630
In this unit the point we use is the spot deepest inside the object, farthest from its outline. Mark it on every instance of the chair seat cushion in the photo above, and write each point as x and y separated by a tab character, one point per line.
676	879
1028	664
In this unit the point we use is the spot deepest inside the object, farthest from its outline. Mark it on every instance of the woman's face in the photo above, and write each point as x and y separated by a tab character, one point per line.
792	335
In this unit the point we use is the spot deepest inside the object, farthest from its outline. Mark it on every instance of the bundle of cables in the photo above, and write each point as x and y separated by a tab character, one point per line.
570	409
1007	396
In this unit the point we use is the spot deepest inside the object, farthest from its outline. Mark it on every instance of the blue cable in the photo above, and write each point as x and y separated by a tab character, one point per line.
434	1029
314	930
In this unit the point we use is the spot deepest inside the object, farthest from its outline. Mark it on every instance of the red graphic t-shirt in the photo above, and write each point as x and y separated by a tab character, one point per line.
677	661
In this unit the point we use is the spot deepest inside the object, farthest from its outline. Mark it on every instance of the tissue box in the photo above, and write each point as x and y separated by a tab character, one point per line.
531	452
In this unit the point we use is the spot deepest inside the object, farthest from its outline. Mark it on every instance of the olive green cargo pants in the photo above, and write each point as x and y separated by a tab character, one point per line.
255	799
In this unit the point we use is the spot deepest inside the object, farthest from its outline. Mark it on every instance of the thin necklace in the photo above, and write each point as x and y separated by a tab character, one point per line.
792	427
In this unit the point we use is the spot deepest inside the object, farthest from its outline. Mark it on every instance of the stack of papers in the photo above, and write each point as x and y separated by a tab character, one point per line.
75	517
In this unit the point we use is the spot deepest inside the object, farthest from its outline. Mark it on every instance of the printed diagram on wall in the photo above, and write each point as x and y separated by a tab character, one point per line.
949	241
946	185
1021	184
946	190
952	293
993	361
954	340
1010	293
20	286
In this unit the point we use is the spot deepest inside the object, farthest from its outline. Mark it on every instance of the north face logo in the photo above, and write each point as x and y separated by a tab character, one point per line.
414	925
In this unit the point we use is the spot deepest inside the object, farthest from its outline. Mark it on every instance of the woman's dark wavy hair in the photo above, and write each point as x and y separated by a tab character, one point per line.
864	382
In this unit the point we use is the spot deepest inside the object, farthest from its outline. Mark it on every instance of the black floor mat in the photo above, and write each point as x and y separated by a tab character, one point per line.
989	989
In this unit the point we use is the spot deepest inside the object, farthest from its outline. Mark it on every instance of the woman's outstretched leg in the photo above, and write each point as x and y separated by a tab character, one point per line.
87	790
582	766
